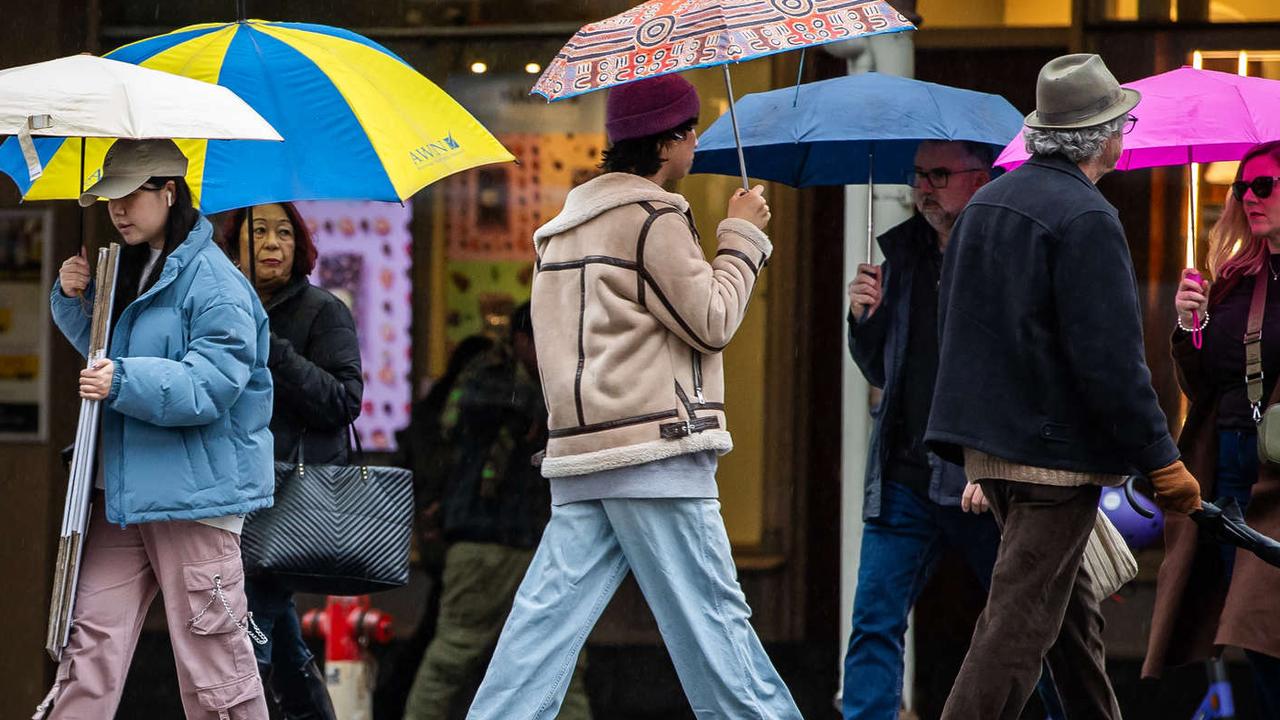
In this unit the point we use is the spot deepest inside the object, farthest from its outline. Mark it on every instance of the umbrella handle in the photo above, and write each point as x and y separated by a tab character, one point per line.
1131	494
1197	337
737	137
871	202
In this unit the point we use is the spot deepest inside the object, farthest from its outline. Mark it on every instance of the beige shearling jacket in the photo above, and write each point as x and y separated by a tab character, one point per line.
629	322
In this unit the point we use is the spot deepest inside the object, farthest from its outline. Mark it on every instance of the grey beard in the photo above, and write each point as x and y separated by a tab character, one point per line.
940	220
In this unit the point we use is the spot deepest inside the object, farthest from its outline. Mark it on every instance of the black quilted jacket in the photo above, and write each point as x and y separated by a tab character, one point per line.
315	365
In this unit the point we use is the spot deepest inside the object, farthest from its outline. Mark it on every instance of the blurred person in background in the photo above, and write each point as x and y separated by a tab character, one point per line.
493	508
423	447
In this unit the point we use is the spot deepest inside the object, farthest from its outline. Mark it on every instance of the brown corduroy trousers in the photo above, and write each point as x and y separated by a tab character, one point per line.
1042	605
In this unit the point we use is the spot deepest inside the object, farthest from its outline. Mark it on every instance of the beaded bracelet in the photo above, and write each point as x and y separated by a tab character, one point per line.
1204	323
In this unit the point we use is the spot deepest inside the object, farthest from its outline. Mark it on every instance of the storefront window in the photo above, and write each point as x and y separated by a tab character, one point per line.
1217	11
995	13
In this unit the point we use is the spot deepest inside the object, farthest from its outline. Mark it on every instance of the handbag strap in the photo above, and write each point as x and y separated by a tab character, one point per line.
1253	345
351	434
351	429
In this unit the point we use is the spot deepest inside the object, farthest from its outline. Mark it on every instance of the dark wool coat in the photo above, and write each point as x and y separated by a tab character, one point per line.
1041	354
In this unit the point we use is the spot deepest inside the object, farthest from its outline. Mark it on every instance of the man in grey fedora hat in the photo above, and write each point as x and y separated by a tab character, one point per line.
1043	392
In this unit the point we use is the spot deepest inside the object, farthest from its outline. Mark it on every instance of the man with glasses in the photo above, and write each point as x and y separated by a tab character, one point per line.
1043	393
916	505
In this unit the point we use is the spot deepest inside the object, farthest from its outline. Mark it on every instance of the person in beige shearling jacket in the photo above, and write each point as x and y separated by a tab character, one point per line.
629	320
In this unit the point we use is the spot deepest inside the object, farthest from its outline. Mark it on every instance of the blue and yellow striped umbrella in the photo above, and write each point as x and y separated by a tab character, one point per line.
358	122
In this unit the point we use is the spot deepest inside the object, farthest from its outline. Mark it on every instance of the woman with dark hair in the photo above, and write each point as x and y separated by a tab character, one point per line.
184	451
315	364
1210	597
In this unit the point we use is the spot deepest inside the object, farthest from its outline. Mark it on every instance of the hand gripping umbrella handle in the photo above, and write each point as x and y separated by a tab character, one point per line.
1139	484
1197	337
1223	525
1131	494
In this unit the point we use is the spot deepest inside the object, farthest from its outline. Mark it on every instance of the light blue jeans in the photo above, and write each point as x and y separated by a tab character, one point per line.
679	552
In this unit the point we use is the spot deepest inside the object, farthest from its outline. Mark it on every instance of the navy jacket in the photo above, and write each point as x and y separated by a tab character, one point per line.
1042	356
879	347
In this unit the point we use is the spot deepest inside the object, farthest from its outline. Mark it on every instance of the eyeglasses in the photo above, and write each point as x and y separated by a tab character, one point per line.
679	135
1262	186
1129	124
938	177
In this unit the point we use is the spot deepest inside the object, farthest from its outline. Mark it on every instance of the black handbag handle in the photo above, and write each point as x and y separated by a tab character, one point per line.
351	434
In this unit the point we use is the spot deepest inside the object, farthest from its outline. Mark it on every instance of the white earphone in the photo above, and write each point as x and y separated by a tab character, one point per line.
168	197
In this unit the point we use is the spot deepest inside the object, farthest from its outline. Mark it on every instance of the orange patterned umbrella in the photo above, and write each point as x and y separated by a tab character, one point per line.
666	36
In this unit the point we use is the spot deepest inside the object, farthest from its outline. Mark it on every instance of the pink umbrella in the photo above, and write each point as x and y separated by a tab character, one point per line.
1188	115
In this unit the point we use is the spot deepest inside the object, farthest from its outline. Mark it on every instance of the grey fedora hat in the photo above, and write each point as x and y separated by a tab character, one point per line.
1078	91
130	163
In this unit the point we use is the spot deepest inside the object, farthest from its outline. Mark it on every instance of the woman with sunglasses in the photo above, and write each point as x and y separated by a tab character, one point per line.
184	451
1209	598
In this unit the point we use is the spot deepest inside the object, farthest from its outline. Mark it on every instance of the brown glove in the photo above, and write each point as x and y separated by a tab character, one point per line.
1176	490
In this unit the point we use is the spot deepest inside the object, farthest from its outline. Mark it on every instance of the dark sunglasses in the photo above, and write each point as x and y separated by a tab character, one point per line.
1262	186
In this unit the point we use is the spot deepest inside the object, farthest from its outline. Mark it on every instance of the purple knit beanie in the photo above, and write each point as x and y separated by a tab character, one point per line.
650	106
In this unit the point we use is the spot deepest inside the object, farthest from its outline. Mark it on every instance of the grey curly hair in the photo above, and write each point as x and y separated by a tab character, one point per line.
1078	145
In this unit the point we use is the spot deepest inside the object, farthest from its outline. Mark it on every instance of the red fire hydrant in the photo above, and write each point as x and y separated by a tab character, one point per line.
348	625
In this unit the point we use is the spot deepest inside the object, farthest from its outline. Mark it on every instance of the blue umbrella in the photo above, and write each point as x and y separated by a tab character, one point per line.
832	131
848	130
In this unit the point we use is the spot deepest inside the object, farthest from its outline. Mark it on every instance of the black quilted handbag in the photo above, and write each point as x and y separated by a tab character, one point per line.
334	529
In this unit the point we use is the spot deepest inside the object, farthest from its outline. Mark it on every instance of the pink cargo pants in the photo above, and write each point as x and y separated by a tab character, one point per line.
194	567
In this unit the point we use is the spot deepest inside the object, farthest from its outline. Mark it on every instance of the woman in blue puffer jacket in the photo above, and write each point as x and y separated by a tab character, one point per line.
184	452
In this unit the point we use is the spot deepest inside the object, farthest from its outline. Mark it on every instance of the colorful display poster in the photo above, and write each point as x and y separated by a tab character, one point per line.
491	215
366	259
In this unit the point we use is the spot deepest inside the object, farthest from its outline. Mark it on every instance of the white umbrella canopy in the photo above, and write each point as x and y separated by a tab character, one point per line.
88	96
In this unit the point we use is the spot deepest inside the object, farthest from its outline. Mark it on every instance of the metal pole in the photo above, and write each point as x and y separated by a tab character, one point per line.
82	210
799	74
737	138
80	488
253	264
871	203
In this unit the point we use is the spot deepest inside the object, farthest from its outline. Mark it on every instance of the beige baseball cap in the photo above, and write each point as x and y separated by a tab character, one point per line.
130	163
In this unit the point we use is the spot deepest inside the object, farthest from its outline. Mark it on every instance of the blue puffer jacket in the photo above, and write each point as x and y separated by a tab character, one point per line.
184	431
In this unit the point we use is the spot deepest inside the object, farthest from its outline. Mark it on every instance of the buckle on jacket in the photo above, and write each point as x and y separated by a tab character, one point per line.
677	430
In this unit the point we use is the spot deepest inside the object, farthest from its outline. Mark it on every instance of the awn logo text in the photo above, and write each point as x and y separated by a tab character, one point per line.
434	152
